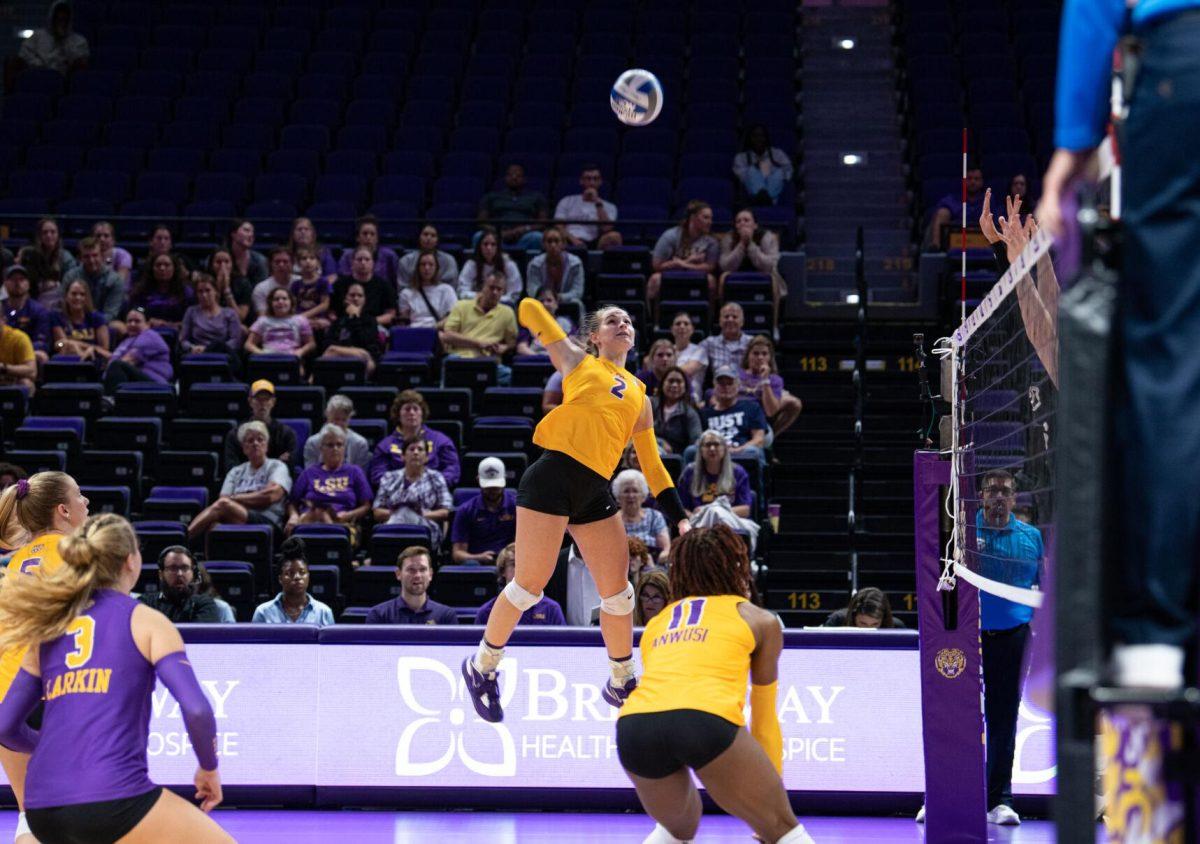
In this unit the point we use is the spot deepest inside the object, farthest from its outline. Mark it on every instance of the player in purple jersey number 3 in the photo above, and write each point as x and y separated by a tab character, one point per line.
94	656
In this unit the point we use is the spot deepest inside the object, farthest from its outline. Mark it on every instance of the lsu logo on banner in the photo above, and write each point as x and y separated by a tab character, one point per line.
950	663
433	691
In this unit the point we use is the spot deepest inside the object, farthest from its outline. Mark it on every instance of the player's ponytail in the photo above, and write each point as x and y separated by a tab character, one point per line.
40	607
27	507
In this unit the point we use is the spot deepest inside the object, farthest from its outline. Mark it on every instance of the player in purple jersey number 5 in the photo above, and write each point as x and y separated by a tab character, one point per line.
94	656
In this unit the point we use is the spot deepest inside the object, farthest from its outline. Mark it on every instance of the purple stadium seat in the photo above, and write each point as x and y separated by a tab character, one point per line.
174	160
245	162
282	61
351	162
287	188
46	185
107	185
404	188
404	162
304	137
450	189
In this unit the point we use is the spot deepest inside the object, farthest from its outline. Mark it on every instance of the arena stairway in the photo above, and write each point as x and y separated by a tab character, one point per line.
849	109
809	560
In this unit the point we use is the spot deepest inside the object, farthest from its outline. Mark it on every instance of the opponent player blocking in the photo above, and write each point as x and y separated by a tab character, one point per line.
688	712
97	655
34	514
566	489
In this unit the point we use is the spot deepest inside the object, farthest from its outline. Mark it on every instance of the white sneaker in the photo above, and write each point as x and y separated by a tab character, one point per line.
1004	816
920	818
1147	666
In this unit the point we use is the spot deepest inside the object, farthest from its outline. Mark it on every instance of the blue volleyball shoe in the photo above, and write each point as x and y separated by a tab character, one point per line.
484	690
617	695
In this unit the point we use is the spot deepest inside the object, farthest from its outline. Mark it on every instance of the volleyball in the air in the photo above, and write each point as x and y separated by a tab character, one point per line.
636	97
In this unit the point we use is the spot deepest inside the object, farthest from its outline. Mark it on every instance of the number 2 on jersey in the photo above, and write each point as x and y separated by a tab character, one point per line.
83	631
619	387
687	613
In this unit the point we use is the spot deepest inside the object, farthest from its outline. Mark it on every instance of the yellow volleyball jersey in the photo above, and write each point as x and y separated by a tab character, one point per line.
695	655
601	404
40	554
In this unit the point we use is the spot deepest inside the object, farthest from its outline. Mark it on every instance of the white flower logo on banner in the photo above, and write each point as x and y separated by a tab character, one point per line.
452	712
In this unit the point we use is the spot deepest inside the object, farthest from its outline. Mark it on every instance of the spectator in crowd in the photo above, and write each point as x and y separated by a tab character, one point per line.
280	278
750	248
232	292
653	593
55	47
949	207
483	327
355	333
761	169
868	608
486	522
728	347
552	393
25	314
588	205
384	261
519	213
339	410
658	360
304	237
761	381
428	299
106	287
281	441
691	357
18	364
281	331
712	474
211	328
641	561
178	596
527	344
166	295
489	258
555	268
676	421
9	472
142	356
545	612
331	491
249	266
293	604
253	492
1018	187
631	491
687	247
47	263
407	416
427	241
162	242
414	495
205	586
741	421
311	289
414	570
115	258
380	294
79	329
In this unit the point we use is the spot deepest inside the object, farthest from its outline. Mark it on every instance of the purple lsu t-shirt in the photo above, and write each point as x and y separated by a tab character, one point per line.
97	685
340	490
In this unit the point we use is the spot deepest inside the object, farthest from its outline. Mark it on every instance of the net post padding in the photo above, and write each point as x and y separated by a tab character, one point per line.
1084	469
951	676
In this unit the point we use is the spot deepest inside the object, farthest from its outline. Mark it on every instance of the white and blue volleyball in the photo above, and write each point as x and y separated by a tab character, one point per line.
636	97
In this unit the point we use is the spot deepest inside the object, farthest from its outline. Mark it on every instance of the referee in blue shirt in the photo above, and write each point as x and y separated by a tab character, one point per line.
1010	552
1157	413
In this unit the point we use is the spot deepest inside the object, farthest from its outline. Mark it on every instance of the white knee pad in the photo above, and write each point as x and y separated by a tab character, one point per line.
620	603
519	597
22	827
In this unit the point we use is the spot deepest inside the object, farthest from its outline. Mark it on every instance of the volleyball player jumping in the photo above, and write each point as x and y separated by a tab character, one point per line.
566	489
687	714
34	514
98	654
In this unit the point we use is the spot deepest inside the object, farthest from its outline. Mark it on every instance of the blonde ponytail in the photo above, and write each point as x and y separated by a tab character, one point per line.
39	608
27	507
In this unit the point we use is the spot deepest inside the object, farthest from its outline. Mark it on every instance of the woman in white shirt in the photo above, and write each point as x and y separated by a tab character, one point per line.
428	300
489	257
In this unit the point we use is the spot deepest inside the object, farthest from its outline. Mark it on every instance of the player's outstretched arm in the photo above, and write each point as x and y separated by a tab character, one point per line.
657	476
564	354
764	682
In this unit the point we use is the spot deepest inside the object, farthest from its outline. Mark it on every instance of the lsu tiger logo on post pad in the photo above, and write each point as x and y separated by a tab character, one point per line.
950	663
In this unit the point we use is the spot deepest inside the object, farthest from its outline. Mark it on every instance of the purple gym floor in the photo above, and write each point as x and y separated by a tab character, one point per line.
260	826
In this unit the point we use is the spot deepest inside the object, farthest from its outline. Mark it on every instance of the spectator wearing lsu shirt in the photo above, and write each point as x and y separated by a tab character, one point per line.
407	416
414	570
331	491
487	522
